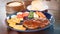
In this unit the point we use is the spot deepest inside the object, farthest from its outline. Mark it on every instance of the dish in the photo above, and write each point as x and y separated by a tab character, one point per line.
37	5
24	21
29	8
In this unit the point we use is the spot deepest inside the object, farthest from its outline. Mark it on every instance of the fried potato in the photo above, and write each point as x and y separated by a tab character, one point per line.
16	20
40	14
12	24
19	27
10	21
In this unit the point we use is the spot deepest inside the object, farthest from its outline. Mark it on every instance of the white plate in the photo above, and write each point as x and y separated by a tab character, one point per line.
45	8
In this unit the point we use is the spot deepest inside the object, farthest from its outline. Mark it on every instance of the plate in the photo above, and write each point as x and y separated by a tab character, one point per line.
49	16
30	8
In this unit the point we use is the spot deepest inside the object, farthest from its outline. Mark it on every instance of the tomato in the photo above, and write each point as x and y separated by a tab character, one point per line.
22	15
19	16
25	14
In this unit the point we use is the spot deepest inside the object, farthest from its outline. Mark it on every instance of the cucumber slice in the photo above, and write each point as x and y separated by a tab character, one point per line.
31	14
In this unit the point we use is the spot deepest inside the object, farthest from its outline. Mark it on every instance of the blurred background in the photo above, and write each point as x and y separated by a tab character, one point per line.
54	9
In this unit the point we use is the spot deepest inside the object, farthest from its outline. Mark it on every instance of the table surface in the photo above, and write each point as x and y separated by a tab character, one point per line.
54	29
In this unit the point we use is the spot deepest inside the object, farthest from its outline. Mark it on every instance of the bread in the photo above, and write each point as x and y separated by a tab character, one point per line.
38	5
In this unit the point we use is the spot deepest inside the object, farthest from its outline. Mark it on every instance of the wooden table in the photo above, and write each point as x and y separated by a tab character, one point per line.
51	30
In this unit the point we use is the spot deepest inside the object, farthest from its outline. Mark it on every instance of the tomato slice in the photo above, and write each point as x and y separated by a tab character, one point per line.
19	16
25	14
22	15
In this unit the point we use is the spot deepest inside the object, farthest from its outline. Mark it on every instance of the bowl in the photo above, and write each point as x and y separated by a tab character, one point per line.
10	8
